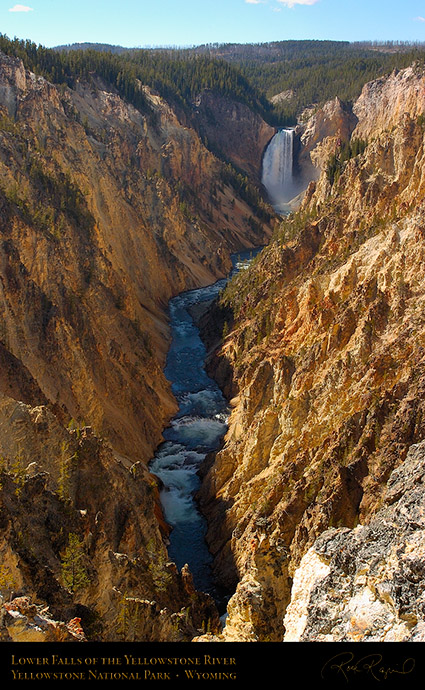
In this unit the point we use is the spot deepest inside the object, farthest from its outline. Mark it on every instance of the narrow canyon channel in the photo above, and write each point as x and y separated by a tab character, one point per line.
196	430
201	420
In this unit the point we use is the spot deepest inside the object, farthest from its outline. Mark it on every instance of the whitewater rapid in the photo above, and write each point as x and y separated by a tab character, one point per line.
196	430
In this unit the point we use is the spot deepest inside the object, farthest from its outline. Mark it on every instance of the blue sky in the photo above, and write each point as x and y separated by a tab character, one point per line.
192	22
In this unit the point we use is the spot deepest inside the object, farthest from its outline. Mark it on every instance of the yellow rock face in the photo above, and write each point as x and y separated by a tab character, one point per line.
105	216
327	358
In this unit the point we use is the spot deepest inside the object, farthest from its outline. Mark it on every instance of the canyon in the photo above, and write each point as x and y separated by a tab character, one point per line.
313	501
323	364
106	214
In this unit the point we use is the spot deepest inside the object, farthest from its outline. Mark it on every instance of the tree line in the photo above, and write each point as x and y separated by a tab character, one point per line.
313	71
310	72
177	77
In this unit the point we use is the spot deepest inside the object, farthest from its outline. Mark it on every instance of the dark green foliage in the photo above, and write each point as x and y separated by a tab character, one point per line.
245	190
179	77
312	71
74	571
67	67
421	121
55	201
101	47
347	150
63	195
317	80
315	71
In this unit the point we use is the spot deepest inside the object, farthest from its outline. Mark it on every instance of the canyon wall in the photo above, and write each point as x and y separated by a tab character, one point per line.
234	131
82	540
106	212
324	362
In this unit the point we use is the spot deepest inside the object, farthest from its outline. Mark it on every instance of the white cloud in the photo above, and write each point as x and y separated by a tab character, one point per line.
419	19
21	8
255	2
292	3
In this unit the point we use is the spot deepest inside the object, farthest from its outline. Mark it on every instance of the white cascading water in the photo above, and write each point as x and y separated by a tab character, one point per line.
195	431
277	175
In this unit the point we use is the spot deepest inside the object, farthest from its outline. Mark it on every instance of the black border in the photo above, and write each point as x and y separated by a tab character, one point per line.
330	664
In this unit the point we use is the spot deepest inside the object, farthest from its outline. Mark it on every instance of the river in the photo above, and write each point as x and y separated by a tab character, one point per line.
196	430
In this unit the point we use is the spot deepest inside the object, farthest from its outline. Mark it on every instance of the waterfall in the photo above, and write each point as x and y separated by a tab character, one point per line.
277	175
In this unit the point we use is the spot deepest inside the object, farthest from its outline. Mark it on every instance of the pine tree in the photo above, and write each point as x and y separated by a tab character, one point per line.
74	572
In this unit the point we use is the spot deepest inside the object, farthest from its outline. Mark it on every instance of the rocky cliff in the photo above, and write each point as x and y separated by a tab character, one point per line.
366	584
319	135
324	360
81	537
106	212
234	131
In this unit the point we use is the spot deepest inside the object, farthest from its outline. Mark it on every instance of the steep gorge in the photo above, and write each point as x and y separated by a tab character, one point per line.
106	212
324	363
117	197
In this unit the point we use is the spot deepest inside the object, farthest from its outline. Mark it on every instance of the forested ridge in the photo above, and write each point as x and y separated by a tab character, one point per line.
178	78
313	72
306	72
309	71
